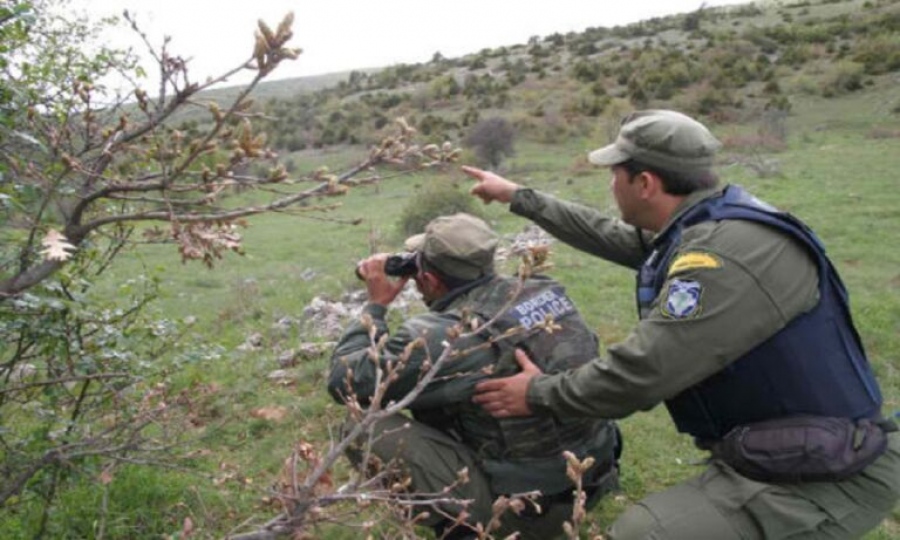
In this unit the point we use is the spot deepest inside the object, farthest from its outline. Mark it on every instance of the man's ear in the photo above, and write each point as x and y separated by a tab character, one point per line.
433	282
427	278
650	184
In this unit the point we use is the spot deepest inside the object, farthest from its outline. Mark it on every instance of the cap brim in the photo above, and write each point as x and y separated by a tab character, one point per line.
414	243
608	156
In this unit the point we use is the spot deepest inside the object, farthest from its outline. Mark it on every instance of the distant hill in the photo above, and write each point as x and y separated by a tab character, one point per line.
724	63
283	88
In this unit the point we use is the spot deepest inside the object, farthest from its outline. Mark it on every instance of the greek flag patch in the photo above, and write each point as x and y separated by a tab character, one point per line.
682	299
548	303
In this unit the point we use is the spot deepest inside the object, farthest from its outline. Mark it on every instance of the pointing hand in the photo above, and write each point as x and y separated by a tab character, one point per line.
490	187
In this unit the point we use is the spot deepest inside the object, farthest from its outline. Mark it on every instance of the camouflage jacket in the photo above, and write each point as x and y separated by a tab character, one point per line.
518	454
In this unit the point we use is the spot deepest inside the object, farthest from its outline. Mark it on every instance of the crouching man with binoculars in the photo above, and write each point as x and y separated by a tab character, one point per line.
452	265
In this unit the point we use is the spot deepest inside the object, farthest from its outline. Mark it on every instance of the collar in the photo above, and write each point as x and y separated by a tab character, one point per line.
442	303
686	204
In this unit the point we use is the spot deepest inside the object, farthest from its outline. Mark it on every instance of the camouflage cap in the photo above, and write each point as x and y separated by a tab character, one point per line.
459	245
661	138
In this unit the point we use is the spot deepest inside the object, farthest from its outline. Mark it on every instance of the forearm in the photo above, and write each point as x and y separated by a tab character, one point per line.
610	387
352	370
364	359
583	228
408	354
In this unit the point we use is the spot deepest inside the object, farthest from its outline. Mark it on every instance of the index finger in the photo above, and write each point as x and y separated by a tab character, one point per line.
488	386
474	172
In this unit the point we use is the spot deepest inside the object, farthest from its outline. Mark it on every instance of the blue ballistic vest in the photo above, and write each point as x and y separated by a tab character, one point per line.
815	365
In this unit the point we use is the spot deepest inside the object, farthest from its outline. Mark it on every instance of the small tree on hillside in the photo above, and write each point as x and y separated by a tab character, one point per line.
692	20
492	139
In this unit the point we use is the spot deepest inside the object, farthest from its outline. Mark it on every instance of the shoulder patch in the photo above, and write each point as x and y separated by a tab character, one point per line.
682	299
691	260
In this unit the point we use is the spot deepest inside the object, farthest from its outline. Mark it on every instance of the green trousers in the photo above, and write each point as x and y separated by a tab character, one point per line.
720	504
432	459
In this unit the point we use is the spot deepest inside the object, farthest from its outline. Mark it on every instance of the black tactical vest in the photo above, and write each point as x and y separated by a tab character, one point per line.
815	365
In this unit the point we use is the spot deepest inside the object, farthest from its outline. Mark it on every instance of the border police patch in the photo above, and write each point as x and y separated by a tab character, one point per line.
549	303
682	299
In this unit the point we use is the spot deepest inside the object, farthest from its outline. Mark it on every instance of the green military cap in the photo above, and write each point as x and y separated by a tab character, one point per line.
666	139
459	245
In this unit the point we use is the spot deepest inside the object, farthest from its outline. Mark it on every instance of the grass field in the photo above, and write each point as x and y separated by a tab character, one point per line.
834	175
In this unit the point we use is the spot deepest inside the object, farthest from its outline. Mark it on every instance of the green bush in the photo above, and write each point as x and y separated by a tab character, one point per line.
438	198
842	77
879	55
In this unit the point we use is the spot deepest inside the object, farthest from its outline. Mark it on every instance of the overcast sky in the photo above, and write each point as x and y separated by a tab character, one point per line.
340	35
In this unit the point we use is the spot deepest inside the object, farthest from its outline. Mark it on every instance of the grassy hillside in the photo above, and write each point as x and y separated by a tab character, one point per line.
804	94
834	174
732	63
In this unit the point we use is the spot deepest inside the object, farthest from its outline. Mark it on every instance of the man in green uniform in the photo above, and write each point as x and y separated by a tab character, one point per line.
745	334
452	264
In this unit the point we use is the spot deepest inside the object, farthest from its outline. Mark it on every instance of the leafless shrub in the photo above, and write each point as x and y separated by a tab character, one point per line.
492	139
753	150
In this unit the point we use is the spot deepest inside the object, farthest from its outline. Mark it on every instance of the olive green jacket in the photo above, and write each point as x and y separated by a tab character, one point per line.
754	281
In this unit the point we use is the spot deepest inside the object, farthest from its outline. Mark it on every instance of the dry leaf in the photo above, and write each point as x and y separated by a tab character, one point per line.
106	476
56	246
202	452
219	480
275	414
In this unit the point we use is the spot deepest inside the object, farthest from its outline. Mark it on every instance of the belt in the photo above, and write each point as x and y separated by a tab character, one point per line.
887	425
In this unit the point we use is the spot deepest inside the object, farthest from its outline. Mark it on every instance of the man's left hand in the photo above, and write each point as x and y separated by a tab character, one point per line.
508	396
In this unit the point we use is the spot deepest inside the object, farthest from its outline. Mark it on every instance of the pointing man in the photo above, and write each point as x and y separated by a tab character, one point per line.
744	333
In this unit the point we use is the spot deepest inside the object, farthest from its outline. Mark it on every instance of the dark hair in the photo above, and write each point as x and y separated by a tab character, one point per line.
451	282
674	182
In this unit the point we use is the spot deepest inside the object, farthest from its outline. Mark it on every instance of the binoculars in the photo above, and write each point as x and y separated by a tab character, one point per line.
399	265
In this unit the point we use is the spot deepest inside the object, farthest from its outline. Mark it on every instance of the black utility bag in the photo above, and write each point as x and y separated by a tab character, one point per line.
802	448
